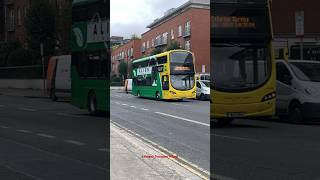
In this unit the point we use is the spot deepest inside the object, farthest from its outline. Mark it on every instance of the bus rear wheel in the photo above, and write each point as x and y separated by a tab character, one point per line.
92	104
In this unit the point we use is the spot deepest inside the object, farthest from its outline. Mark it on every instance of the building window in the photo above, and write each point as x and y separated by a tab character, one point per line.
25	11
147	44
158	41
19	17
165	38
187	29
11	20
172	34
179	31
187	45
152	42
143	47
131	51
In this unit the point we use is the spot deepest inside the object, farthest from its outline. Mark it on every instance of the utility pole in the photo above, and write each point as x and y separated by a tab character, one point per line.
43	69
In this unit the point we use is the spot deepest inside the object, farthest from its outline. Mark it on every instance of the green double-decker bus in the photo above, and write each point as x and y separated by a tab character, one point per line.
90	55
169	75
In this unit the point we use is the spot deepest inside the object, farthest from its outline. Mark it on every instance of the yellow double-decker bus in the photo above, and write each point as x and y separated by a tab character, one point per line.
243	75
169	75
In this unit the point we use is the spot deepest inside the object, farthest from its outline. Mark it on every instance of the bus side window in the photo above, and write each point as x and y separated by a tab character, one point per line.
165	82
162	60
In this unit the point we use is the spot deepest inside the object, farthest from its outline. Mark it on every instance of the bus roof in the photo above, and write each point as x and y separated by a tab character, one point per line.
82	2
153	56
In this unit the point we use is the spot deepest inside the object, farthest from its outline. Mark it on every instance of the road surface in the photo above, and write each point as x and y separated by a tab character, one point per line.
40	139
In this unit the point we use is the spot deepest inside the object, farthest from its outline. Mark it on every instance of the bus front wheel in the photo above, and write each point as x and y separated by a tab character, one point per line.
92	104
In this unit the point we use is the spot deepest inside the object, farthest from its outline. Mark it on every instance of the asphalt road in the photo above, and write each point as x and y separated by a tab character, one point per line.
266	150
181	127
40	139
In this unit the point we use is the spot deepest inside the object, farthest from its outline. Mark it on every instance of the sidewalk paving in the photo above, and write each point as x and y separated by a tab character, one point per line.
127	161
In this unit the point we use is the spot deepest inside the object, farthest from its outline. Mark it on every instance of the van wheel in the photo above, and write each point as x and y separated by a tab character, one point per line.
157	96
92	104
53	95
295	113
201	97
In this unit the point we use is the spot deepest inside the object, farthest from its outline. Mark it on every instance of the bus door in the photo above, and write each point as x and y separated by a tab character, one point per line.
165	82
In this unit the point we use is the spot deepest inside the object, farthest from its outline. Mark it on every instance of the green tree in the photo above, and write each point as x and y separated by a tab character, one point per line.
135	36
123	69
172	46
156	50
40	27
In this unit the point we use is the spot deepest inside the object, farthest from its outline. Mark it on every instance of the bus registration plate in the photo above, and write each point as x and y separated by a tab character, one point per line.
235	114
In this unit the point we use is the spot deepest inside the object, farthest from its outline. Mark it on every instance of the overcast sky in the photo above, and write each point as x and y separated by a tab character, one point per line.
133	16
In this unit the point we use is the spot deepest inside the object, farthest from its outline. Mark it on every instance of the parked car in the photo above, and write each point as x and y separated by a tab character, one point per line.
128	85
59	77
298	90
203	90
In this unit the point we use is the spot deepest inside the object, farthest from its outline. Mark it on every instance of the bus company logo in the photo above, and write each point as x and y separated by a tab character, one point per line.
144	71
79	36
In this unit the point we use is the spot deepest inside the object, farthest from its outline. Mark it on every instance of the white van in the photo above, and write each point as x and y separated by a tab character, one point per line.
128	85
203	90
298	90
61	78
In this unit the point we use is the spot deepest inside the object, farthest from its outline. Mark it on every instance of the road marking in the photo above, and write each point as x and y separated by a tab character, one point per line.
75	142
46	136
4	127
144	109
133	106
184	119
180	104
219	177
27	109
104	150
23	131
67	115
124	104
236	138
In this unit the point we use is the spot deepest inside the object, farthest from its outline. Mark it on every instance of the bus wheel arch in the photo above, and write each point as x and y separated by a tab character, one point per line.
157	95
92	102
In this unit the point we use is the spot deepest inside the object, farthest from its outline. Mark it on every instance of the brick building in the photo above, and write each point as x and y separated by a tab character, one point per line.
283	15
189	25
15	12
125	53
1	20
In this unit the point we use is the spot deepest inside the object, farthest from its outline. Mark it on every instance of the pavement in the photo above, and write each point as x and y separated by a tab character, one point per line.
179	127
41	139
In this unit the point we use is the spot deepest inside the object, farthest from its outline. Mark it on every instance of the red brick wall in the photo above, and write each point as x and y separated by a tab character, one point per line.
135	44
283	15
200	34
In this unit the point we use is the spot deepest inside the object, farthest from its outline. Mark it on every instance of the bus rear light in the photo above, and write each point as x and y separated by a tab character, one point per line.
269	97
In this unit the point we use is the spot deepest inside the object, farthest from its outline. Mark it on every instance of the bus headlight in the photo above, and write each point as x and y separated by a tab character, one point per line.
269	97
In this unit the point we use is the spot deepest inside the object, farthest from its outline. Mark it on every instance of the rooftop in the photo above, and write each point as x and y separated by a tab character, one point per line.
204	4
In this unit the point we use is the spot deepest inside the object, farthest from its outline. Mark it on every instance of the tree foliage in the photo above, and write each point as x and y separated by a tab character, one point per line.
172	46
156	50
40	27
123	69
